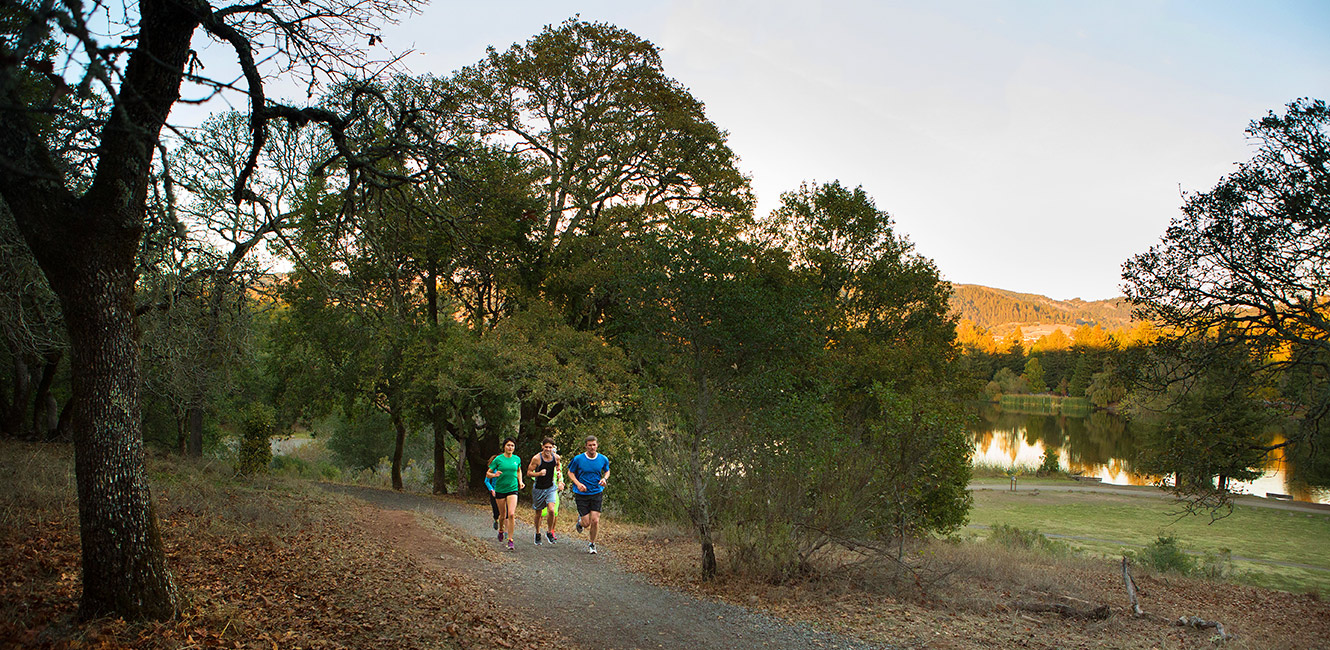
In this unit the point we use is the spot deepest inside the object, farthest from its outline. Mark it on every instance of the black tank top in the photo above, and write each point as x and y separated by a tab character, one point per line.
547	481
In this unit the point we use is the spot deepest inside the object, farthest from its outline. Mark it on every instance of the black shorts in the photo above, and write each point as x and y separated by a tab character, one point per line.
588	503
501	495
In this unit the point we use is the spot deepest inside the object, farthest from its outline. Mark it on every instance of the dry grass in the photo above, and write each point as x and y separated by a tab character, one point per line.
964	594
272	563
263	563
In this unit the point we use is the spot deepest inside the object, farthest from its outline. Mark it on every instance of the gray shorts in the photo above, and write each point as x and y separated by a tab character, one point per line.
540	498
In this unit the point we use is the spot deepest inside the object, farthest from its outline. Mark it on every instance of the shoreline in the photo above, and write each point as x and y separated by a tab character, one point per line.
1144	491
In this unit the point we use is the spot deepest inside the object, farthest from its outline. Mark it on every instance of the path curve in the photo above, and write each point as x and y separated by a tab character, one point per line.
593	600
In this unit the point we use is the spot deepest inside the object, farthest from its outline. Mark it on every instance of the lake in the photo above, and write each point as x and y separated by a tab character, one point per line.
1097	445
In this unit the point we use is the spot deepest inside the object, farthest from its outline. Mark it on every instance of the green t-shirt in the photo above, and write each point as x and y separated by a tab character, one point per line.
511	466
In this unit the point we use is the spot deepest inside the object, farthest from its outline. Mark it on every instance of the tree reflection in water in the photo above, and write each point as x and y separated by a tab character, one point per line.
1103	444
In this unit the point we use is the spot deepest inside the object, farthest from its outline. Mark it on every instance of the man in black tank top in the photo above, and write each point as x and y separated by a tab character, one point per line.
544	468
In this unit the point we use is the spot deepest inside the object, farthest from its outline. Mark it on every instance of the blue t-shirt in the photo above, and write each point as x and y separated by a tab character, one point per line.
588	472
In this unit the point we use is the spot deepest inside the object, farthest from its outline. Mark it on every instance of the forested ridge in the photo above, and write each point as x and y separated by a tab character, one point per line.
998	309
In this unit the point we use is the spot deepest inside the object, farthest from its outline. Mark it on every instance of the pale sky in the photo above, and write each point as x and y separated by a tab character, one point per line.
1029	146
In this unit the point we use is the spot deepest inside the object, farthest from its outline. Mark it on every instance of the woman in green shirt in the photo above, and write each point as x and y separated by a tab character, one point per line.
506	470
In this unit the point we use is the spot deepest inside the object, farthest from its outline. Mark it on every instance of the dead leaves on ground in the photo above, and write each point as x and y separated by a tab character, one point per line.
330	582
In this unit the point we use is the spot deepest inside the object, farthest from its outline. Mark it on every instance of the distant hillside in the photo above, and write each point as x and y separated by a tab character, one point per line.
999	311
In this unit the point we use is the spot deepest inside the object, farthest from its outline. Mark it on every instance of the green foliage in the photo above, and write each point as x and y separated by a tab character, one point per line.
1086	366
359	441
1049	463
1165	554
290	466
1009	383
1106	388
718	330
1215	424
641	138
877	419
1033	540
257	426
1034	376
1243	270
924	451
1215	565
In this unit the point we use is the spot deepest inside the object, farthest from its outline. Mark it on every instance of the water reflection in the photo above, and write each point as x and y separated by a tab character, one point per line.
1099	445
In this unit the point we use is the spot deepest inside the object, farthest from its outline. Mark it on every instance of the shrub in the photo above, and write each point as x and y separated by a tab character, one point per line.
1048	463
1165	554
1216	566
257	424
329	471
289	465
1014	537
359	443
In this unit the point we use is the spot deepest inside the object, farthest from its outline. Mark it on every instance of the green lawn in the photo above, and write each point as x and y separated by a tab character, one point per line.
1252	532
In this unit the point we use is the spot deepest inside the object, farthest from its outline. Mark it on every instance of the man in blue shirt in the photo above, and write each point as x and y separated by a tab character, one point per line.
589	471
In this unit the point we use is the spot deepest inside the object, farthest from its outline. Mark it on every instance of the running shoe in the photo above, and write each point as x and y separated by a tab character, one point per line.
591	548
550	536
500	536
496	524
579	524
510	545
538	540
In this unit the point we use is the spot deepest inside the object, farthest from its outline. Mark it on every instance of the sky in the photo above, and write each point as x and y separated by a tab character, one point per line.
1028	146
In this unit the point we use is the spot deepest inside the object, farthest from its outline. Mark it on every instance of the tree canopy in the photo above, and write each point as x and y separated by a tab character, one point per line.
554	241
1245	271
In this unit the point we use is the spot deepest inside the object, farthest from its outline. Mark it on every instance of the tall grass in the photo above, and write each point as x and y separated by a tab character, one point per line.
995	470
38	479
1046	404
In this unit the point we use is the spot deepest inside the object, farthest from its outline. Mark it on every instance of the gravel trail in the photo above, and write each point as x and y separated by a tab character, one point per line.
593	600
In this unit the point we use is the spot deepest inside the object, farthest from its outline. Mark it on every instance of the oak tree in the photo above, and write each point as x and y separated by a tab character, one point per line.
84	229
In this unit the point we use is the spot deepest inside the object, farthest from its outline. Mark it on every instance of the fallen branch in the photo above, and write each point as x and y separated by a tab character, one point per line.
1097	614
1198	622
1131	587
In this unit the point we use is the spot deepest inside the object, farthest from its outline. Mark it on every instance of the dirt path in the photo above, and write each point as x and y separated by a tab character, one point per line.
592	599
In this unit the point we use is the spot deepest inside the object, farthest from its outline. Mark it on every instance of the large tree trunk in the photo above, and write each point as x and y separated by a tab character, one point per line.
87	246
124	566
62	423
478	451
44	407
194	420
708	557
17	409
399	444
181	433
441	436
462	487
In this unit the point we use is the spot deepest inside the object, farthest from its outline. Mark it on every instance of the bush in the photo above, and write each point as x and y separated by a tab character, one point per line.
1048	463
360	442
1165	554
257	424
1216	566
1014	537
290	465
329	471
